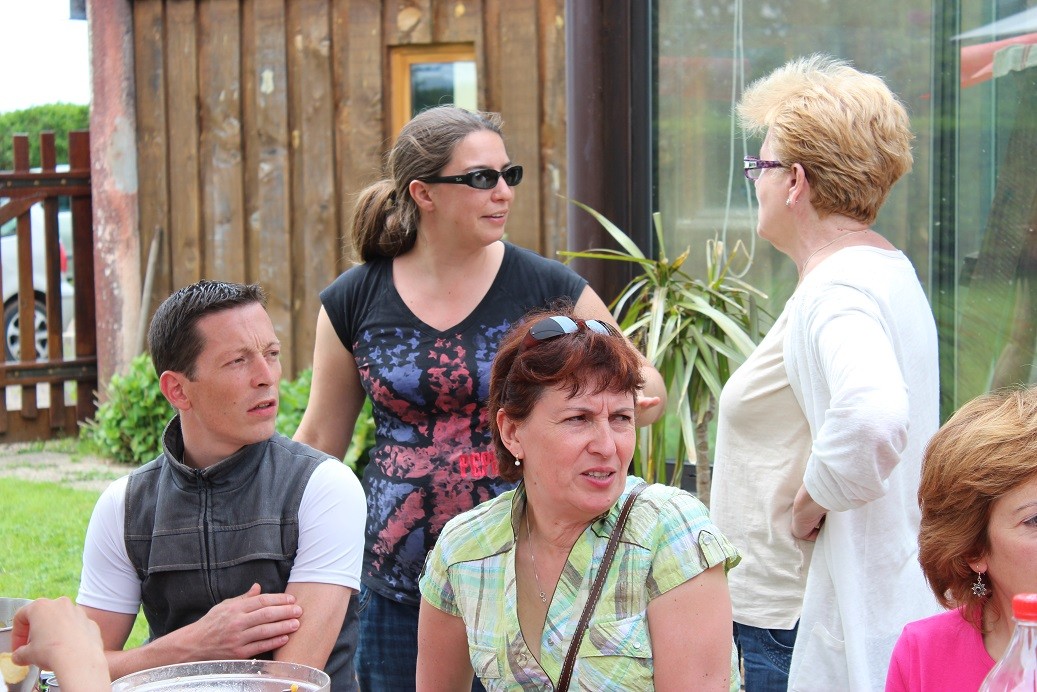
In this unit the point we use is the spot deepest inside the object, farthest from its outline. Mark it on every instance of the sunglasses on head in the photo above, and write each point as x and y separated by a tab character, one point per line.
559	325
482	179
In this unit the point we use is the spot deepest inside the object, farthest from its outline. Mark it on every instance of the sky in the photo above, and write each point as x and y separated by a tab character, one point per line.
44	54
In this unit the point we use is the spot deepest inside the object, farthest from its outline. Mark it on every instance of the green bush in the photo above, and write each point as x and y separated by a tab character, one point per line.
363	440
59	118
128	426
292	402
295	394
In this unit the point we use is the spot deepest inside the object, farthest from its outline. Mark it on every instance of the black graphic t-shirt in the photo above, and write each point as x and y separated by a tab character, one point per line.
433	456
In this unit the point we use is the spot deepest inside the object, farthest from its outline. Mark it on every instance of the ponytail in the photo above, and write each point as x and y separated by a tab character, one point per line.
382	226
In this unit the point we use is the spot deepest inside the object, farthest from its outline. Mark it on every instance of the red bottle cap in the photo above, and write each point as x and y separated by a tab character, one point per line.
1024	606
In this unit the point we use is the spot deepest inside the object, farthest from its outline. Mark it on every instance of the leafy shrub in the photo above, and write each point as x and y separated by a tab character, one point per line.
295	394
128	426
59	118
363	440
292	402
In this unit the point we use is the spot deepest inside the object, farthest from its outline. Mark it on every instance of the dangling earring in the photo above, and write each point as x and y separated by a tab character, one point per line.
518	462
979	589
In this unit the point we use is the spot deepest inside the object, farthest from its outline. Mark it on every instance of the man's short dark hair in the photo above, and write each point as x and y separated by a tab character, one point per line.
173	339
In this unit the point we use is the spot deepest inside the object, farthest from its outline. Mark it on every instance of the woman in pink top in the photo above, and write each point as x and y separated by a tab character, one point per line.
977	541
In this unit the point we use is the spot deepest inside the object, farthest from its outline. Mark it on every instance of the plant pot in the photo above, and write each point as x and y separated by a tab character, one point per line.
688	476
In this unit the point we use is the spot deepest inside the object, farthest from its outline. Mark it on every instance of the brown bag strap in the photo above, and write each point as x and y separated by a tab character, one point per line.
595	594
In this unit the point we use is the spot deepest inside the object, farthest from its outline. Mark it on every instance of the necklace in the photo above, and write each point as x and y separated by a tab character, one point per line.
529	537
831	242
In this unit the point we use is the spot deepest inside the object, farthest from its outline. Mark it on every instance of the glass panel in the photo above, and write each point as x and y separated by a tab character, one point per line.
996	198
708	51
975	201
438	83
464	85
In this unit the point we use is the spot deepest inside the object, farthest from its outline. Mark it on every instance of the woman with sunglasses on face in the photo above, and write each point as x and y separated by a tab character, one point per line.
506	586
415	327
820	432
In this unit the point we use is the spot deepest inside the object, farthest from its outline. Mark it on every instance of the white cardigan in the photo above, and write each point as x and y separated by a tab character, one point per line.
861	356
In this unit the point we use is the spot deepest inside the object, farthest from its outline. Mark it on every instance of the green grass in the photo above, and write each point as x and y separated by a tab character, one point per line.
42	547
64	445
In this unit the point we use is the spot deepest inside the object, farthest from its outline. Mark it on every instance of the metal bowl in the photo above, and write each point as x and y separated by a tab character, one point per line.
8	607
226	676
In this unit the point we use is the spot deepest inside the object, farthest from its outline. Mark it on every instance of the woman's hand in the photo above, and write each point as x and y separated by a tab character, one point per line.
58	636
807	516
649	408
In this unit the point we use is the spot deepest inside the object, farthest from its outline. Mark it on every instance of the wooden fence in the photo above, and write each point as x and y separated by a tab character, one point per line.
43	303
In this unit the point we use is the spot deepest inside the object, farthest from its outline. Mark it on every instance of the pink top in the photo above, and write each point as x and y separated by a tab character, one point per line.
942	652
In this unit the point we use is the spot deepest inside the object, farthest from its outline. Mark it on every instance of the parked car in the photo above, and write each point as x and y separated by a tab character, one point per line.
9	258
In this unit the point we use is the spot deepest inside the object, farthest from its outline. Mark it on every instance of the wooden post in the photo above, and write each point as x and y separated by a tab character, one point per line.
85	305
609	129
113	127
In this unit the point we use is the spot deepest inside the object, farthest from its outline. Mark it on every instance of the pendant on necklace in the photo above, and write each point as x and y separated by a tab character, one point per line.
533	560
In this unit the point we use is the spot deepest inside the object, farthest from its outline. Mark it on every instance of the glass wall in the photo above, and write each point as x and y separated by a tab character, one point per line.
966	213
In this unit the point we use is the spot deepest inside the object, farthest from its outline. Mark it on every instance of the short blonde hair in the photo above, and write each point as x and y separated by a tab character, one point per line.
851	134
987	449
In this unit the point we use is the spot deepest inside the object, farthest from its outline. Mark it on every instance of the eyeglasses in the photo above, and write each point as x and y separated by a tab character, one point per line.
754	167
559	325
482	179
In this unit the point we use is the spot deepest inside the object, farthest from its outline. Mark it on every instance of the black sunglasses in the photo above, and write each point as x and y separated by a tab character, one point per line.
559	325
482	179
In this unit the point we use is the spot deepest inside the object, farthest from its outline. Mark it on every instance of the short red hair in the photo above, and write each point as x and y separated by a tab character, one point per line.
518	378
986	449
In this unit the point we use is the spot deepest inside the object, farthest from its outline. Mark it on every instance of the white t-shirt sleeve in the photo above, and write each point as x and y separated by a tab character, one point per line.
331	528
108	581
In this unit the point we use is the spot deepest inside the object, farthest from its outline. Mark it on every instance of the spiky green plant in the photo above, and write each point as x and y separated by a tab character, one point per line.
695	331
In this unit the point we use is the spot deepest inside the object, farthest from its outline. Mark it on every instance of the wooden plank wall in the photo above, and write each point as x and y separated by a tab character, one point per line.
259	120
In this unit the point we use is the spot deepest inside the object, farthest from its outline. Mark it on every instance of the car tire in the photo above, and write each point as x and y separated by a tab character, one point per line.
13	338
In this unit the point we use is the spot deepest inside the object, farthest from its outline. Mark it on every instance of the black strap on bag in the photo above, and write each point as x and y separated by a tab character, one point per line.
595	594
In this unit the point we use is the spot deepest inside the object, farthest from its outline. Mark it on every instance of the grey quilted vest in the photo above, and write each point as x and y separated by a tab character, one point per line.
198	537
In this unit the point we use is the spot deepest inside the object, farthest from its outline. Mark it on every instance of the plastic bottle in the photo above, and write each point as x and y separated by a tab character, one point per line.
1017	669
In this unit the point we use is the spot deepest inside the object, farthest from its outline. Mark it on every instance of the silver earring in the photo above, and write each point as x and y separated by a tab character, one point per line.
979	589
788	202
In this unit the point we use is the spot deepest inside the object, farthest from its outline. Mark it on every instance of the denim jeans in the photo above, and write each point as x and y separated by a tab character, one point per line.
387	655
766	657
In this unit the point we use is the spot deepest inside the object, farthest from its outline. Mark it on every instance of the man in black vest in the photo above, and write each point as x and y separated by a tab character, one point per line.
237	541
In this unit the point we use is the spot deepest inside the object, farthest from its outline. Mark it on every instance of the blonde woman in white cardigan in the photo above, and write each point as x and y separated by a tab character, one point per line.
824	427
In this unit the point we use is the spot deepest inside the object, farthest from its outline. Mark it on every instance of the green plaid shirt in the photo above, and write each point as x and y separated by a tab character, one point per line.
471	574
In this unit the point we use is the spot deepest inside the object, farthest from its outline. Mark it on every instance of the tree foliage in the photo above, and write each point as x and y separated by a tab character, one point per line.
59	118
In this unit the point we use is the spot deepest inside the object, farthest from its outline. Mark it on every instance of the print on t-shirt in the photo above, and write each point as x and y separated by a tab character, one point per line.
434	457
437	459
